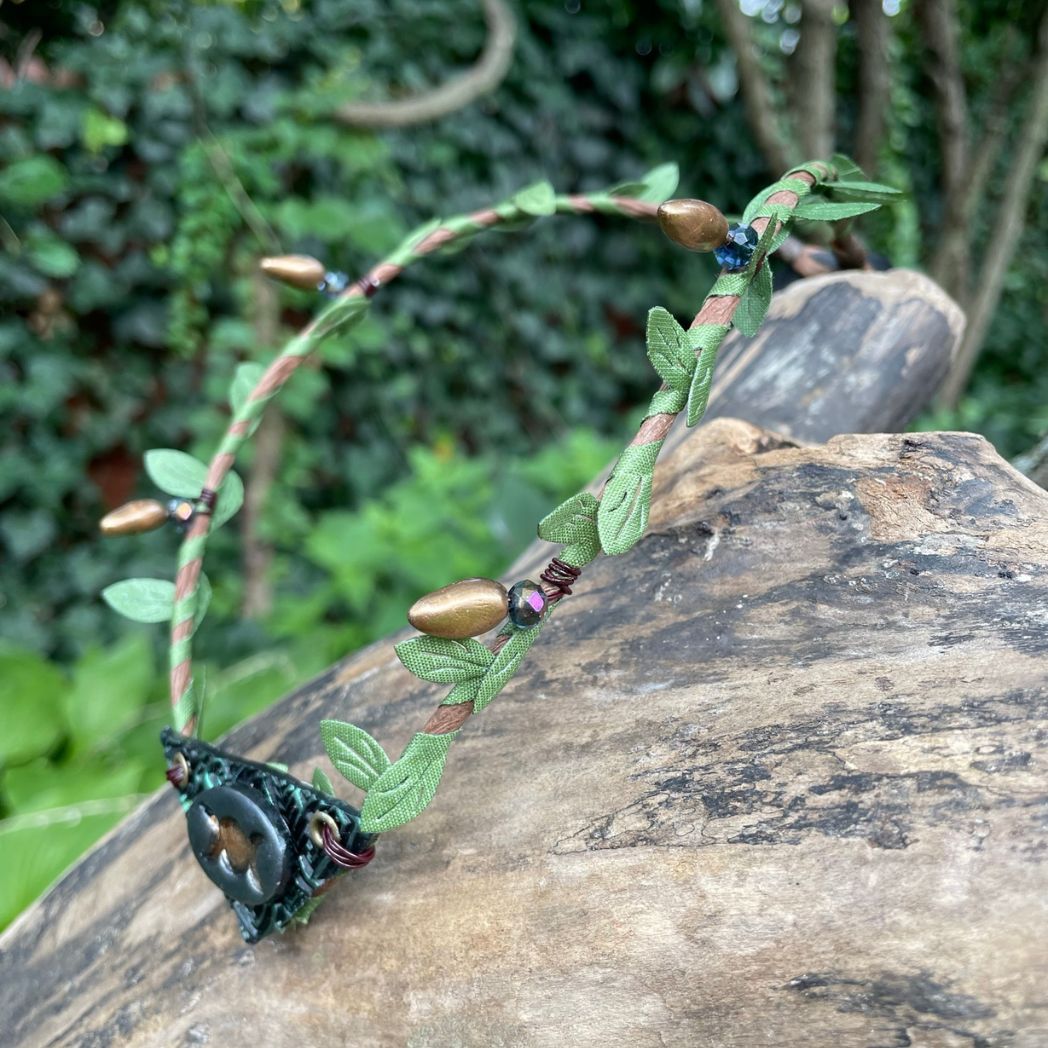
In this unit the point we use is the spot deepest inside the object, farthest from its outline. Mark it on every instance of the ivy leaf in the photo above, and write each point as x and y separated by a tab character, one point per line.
404	789
245	379
537	200
175	472
141	600
872	191
230	499
668	349
444	661
573	519
322	783
624	503
816	209
354	753
755	302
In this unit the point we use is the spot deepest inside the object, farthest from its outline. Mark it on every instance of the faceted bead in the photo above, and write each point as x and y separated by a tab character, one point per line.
463	609
134	517
527	604
302	271
738	248
180	511
693	224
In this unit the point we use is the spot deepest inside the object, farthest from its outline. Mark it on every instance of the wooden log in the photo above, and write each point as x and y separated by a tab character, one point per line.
775	777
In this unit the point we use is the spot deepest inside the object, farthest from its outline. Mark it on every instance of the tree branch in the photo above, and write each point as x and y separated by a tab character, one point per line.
756	92
814	74
874	34
457	93
940	30
1007	221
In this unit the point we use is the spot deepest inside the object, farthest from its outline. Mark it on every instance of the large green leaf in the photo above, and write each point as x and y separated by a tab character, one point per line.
31	694
405	789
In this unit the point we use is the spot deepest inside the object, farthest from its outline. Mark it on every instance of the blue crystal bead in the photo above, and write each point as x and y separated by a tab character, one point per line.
738	248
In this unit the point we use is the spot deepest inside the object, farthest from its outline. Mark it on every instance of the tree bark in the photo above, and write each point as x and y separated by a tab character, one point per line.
874	33
772	778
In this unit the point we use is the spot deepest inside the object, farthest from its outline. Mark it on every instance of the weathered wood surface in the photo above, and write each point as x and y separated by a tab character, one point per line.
777	777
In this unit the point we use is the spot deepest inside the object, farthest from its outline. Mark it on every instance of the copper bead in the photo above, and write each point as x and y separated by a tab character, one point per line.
134	517
463	609
693	224
302	271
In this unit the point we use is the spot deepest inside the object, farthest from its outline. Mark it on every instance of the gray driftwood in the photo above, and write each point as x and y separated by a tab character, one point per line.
777	777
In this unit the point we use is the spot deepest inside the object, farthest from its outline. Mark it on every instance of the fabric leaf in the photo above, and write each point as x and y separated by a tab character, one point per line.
707	339
660	183
230	499
873	191
354	753
755	302
175	472
624	503
668	349
245	378
846	168
573	519
539	199
343	313
816	209
444	661
405	788
321	782
504	664
142	600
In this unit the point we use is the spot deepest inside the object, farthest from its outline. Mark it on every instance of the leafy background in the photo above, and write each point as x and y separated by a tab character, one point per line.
165	147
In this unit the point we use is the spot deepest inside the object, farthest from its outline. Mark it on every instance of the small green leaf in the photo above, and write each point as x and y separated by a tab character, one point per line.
321	782
101	130
245	379
354	753
846	168
142	600
538	200
307	909
203	600
32	181
404	789
230	499
755	301
668	349
341	315
707	338
176	472
818	209
573	520
660	183
872	191
444	661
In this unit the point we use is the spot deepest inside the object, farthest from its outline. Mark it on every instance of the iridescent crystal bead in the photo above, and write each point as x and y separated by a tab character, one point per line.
738	248
527	604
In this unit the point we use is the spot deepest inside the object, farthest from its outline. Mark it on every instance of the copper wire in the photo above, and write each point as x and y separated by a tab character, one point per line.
560	577
343	857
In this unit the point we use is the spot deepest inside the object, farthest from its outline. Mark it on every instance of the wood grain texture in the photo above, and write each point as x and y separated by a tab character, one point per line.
776	777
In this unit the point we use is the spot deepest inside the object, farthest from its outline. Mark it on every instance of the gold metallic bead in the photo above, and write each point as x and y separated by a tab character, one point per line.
693	224
134	517
302	271
463	609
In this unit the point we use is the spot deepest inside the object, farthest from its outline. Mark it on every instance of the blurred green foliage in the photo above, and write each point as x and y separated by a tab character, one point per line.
168	146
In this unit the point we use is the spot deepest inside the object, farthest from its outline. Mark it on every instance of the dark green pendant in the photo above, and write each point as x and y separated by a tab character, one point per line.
250	830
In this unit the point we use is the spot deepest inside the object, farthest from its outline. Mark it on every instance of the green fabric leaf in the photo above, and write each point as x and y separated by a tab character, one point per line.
307	909
444	661
706	338
668	349
175	472
404	789
624	503
668	401
762	249
464	691
203	600
660	183
321	782
818	209
873	191
755	302
354	753
142	600
846	168
341	315
505	664
230	499
573	520
538	200
245	379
